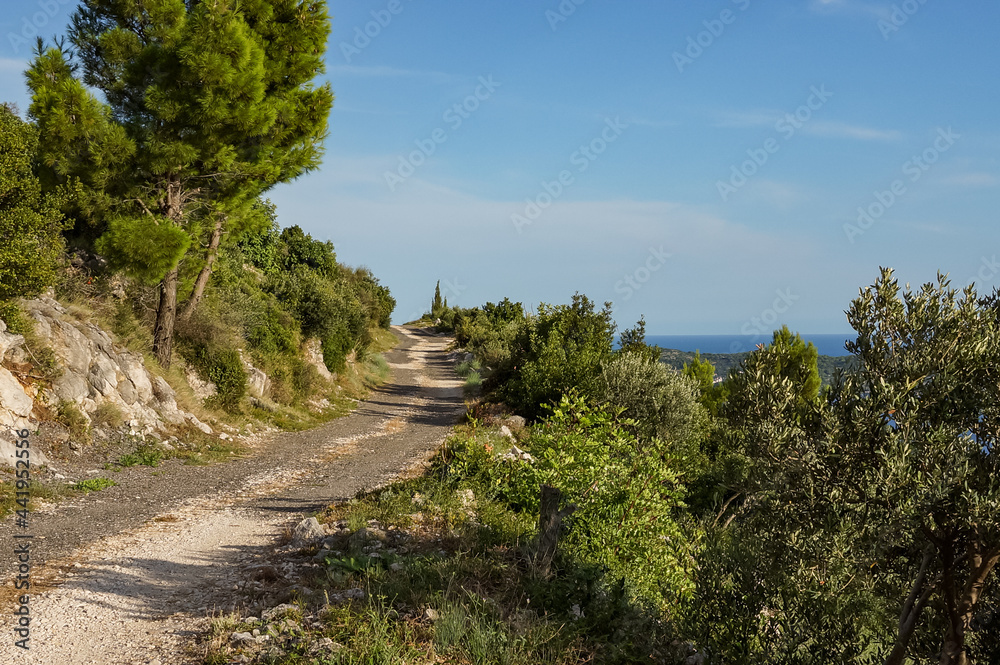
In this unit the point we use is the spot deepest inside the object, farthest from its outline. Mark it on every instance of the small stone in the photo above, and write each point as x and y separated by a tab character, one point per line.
306	532
242	638
431	614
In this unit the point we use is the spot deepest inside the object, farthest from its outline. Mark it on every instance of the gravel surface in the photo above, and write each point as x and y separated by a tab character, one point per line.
132	572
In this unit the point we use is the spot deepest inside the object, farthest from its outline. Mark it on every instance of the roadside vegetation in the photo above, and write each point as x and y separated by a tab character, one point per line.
598	506
134	191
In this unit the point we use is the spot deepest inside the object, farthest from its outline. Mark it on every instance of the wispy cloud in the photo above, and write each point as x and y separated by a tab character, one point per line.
973	179
830	128
381	71
753	118
845	130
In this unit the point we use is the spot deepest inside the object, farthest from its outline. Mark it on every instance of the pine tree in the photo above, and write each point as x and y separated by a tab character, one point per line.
29	221
209	104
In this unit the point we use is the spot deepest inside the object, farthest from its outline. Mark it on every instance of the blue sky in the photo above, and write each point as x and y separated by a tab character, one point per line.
714	156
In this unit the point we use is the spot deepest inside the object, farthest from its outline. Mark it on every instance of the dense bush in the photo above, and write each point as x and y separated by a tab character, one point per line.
560	348
661	401
627	493
30	222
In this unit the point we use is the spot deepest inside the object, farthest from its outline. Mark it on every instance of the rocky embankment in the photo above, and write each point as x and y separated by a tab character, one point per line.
89	371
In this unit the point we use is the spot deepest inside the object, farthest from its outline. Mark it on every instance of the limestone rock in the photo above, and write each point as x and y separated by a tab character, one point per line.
70	387
8	342
12	395
201	389
466	498
132	365
9	450
306	532
515	423
314	356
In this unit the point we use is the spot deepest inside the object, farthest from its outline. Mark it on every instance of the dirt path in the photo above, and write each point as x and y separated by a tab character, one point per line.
138	567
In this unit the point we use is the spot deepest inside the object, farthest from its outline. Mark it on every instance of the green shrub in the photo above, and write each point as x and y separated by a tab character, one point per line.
93	485
70	415
560	349
30	222
17	322
142	456
662	402
226	371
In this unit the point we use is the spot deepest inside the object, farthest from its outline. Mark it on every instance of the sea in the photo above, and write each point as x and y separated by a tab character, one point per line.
826	344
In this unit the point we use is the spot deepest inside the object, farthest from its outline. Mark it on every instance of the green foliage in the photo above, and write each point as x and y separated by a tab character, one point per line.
225	369
93	485
633	341
663	403
30	222
301	250
206	106
561	348
142	456
437	304
713	394
15	319
70	415
143	250
626	491
873	509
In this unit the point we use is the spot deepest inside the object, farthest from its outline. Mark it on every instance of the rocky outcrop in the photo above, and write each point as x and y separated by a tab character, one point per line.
94	371
314	356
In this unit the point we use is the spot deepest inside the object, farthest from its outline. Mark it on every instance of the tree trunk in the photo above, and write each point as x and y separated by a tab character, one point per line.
549	523
206	271
962	610
920	592
166	315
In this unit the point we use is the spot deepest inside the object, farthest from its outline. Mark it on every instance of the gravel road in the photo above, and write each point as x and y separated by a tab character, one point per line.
128	575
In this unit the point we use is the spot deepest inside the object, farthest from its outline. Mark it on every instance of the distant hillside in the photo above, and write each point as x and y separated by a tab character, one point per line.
723	362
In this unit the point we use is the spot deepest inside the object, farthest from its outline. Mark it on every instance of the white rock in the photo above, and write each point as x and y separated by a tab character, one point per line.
70	387
306	532
506	433
8	341
12	395
313	354
8	453
72	347
134	369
